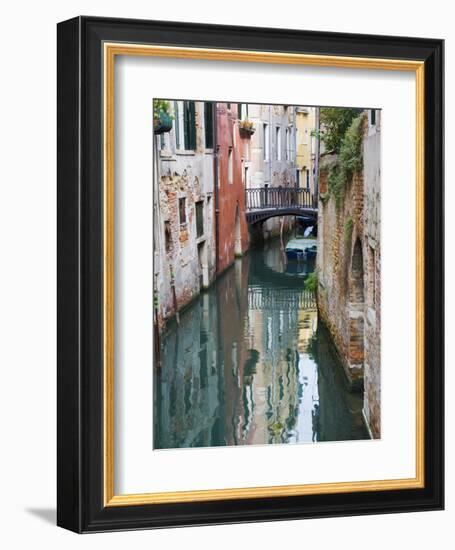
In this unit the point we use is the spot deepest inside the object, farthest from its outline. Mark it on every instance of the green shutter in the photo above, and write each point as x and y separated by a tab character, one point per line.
176	124
193	125
190	126
208	124
186	128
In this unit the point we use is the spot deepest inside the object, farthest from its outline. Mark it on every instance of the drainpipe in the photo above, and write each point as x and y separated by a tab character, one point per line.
215	185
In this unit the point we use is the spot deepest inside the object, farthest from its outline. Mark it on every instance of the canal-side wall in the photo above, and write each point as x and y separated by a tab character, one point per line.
340	307
349	269
184	250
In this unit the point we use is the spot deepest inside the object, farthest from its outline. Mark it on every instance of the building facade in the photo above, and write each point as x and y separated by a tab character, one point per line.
231	153
306	147
184	209
271	153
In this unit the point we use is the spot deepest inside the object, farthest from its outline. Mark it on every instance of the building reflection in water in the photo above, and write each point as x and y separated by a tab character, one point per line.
248	364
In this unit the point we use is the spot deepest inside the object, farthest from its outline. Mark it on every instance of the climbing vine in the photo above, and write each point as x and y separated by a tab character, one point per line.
349	160
348	227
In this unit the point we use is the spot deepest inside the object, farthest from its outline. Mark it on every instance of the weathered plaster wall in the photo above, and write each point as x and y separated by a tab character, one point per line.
184	262
372	259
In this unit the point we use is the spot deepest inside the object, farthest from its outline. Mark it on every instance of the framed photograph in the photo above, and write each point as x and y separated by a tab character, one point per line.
250	274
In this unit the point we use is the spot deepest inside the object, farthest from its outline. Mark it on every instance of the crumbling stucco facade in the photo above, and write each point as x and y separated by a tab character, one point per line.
184	217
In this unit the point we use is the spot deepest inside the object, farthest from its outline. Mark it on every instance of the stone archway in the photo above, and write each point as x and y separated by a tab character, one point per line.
356	311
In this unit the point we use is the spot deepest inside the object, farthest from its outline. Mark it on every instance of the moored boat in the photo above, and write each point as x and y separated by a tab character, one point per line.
301	249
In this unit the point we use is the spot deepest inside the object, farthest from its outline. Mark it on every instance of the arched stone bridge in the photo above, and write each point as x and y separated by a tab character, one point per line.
262	203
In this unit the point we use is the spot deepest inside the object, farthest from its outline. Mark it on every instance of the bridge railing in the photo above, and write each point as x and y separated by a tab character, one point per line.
262	198
280	299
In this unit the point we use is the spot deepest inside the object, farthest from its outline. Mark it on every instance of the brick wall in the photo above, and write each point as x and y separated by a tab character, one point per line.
349	264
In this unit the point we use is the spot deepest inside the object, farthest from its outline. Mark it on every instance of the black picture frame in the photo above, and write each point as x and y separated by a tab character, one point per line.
80	476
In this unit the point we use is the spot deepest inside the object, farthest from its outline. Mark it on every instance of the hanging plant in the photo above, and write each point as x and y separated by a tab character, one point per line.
246	128
162	119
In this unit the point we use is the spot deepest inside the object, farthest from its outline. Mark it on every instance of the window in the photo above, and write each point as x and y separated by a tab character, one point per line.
288	144
218	181
208	124
182	210
278	143
266	144
373	117
242	111
167	236
230	166
307	178
199	219
189	121
177	124
246	177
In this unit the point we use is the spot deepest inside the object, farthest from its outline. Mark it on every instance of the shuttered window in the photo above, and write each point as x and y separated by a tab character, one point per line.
182	210
208	124
177	124
189	122
199	218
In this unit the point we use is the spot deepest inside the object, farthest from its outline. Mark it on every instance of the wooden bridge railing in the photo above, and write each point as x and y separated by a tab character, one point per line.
262	198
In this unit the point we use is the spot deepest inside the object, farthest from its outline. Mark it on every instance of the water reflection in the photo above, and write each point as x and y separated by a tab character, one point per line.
248	364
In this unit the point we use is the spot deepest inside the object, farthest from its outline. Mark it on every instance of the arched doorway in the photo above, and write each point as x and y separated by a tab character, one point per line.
356	294
356	311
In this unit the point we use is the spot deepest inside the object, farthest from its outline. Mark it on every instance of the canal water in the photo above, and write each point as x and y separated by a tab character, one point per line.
248	364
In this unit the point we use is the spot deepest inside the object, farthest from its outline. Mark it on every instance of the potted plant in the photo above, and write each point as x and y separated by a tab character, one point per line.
246	128
162	119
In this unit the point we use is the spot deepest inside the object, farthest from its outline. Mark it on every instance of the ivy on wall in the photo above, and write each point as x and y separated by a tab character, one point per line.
342	135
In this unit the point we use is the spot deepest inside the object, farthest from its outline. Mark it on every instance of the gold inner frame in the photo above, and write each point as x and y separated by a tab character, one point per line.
109	52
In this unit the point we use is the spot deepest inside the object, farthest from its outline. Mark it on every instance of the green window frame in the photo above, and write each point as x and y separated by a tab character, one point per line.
189	120
176	124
